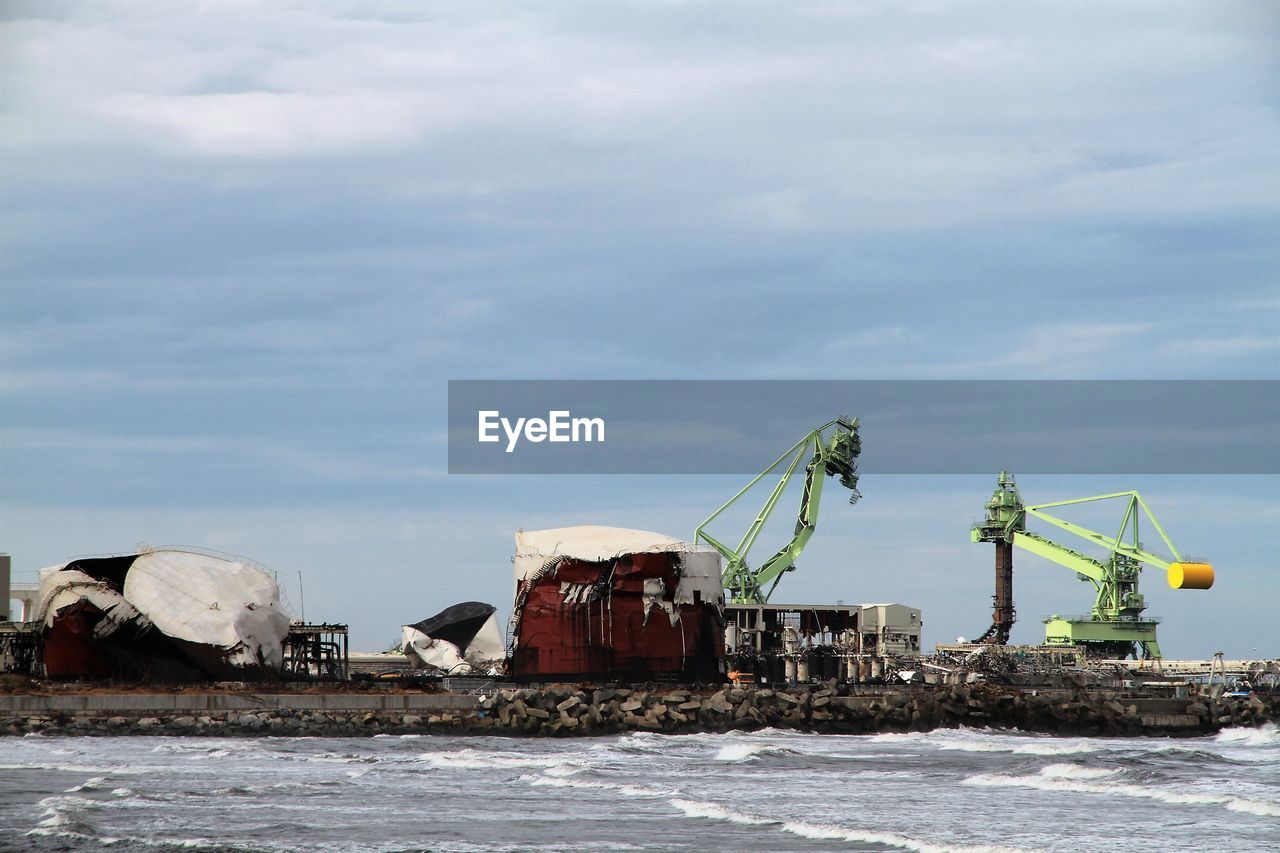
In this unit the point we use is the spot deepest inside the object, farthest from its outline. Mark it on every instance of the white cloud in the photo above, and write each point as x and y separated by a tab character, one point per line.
890	119
1224	345
875	339
467	309
978	53
268	124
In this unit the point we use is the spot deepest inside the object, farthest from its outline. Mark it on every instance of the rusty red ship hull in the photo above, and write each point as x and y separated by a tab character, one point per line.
631	616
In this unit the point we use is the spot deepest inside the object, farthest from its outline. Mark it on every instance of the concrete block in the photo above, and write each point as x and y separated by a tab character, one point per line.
190	702
442	702
359	702
226	702
129	702
41	704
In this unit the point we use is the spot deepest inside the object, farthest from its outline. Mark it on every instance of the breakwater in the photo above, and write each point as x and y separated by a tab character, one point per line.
564	710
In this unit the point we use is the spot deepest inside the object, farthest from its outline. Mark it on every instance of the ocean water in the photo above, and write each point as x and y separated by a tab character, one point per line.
963	790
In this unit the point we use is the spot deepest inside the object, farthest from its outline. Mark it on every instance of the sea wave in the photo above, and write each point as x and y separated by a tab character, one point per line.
110	770
477	759
90	784
825	831
751	751
1267	735
712	811
830	832
982	740
1084	780
621	788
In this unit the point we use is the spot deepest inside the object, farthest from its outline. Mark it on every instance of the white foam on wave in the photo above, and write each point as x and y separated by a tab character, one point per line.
750	751
1255	807
216	753
885	774
772	733
975	740
824	831
116	770
564	769
711	811
649	742
207	749
121	798
475	759
1044	748
621	788
898	737
341	758
1265	735
831	832
1075	771
90	784
55	819
60	821
1083	780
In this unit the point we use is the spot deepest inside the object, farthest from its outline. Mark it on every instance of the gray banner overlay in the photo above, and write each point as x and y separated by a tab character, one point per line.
907	426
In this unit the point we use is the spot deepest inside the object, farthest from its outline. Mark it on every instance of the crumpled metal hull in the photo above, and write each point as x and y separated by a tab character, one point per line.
461	639
160	616
632	616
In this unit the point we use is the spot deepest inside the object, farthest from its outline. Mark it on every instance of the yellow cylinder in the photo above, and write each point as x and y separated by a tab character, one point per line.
1190	575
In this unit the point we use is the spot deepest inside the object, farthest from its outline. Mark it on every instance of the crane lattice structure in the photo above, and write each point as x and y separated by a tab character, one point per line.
832	450
1115	627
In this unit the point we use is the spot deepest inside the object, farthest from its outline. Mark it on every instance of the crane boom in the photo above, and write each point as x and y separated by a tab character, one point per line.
833	455
1115	625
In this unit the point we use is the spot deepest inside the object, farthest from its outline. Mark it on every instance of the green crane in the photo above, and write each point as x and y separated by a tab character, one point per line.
1115	626
832	450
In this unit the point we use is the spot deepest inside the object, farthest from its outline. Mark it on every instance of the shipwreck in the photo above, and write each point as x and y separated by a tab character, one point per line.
160	615
463	639
612	603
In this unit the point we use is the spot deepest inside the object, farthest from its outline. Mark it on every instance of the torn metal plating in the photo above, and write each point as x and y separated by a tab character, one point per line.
585	597
163	615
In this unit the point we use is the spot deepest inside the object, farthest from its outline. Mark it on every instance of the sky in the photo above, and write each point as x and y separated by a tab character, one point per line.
244	246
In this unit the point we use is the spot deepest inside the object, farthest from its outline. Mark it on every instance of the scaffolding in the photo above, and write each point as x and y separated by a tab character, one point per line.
316	653
20	648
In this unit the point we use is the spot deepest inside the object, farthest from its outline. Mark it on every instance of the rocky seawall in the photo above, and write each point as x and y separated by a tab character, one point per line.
583	710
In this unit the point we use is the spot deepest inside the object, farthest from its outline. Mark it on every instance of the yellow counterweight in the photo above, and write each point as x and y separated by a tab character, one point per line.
1190	575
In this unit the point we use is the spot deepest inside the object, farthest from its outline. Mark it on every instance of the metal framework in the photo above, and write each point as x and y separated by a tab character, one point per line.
1005	514
1115	626
316	653
20	648
832	450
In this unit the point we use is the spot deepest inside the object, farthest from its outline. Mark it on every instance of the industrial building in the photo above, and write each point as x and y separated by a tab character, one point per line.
798	643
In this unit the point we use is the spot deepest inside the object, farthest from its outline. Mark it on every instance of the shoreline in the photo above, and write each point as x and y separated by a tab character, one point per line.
565	710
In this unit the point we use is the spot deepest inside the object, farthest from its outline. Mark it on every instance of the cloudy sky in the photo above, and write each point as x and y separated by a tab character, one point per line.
243	247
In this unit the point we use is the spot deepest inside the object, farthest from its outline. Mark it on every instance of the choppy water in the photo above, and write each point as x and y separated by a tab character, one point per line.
945	790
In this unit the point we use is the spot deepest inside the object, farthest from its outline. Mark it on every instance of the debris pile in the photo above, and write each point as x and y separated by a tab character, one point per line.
162	615
459	640
1023	666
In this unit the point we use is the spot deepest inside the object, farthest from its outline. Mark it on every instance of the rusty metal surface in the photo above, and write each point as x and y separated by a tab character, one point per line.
1003	614
616	618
